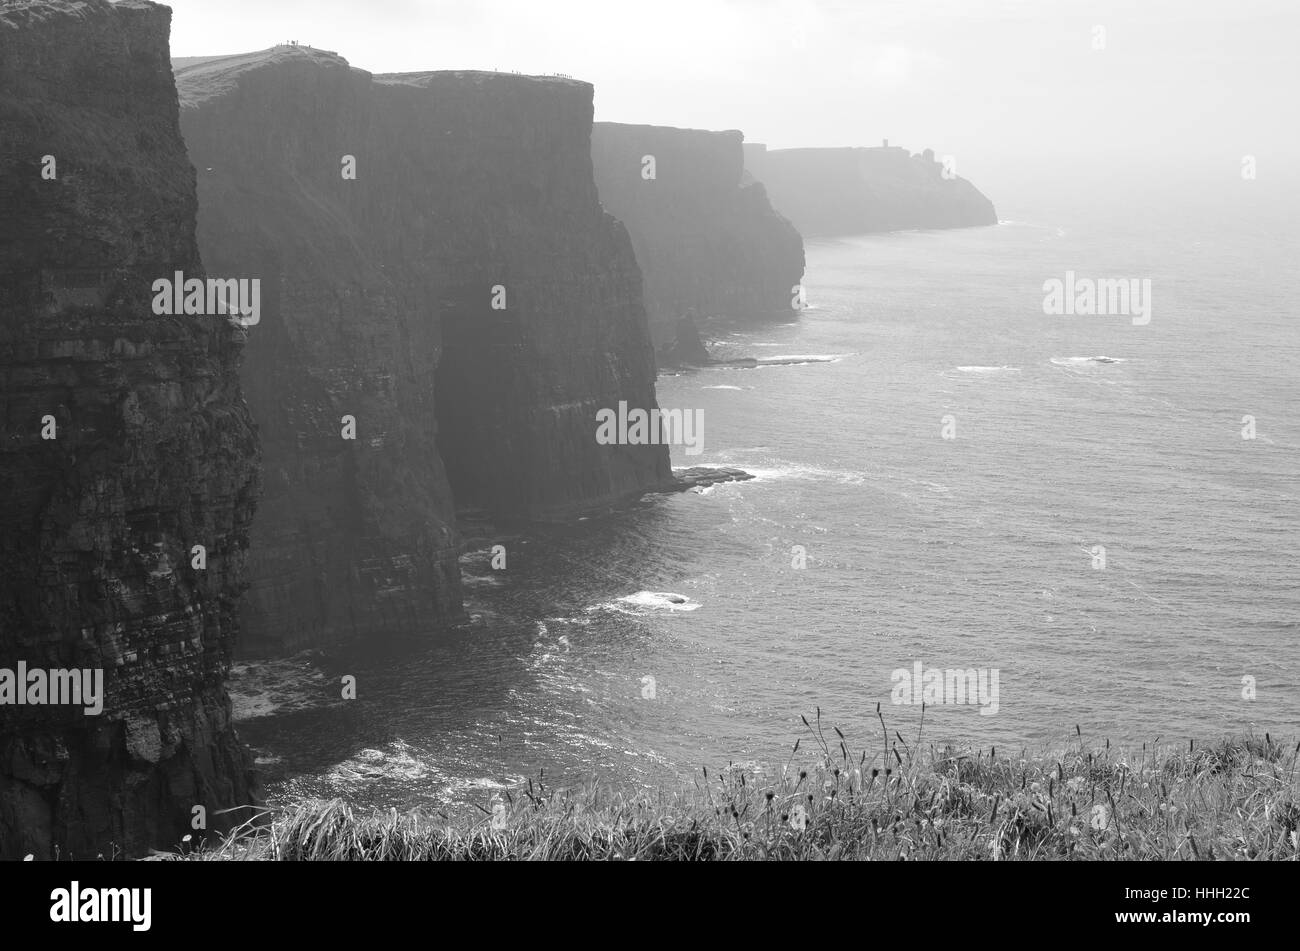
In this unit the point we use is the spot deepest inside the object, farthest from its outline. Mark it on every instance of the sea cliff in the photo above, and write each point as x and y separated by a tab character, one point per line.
843	191
440	270
126	444
709	244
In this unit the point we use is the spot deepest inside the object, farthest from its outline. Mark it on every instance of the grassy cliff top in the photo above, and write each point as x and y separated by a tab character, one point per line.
199	78
1235	800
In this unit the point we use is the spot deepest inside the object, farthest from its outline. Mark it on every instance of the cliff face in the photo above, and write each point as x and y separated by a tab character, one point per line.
708	243
152	449
855	191
511	207
470	190
351	535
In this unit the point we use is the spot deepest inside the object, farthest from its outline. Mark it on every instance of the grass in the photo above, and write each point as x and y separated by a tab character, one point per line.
1236	800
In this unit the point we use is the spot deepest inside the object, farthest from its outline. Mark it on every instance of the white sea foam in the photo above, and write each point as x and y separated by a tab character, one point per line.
644	602
395	762
483	782
806	473
1086	361
802	358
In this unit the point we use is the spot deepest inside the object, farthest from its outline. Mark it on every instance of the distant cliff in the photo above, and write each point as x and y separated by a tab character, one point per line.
708	244
463	297
859	190
126	443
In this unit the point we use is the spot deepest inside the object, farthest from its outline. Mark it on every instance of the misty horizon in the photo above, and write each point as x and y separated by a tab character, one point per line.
1179	87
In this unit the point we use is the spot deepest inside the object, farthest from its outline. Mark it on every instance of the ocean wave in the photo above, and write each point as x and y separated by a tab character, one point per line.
809	473
1085	361
783	359
722	388
484	782
647	601
396	762
989	370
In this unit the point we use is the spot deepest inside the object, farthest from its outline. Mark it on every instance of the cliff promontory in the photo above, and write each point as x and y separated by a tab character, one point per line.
436	268
128	460
858	190
708	243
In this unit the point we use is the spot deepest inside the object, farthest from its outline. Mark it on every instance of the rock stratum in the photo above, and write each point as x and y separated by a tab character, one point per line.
709	244
126	442
841	191
464	297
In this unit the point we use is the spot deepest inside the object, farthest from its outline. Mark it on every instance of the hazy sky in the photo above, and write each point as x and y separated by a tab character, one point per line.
1000	85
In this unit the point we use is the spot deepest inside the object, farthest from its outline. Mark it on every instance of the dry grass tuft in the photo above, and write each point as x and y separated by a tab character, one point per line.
1236	800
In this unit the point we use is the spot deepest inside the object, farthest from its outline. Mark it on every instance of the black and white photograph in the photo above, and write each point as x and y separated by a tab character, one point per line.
760	431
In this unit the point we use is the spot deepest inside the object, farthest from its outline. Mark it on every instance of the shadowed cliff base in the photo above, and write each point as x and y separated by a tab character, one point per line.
441	271
127	444
841	191
709	244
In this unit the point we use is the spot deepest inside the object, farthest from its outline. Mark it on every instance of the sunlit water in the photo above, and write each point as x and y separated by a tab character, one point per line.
972	552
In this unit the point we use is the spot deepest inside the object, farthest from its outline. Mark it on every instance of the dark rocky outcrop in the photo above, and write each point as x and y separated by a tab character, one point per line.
859	190
700	477
470	189
707	243
154	451
688	348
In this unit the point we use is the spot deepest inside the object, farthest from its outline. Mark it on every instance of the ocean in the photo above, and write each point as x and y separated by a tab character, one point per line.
1098	531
